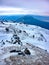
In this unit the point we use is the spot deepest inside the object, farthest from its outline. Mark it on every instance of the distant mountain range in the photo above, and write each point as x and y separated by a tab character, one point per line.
28	19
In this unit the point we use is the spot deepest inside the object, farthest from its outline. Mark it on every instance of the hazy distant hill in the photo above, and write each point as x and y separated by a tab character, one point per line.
42	18
10	17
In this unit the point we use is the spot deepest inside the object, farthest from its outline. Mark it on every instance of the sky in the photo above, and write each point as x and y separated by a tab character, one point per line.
37	7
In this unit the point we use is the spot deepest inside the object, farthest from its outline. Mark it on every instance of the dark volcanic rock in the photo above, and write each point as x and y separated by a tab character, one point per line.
7	29
26	51
21	53
15	51
12	51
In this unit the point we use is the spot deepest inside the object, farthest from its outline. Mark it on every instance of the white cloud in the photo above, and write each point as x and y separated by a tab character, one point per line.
9	10
14	11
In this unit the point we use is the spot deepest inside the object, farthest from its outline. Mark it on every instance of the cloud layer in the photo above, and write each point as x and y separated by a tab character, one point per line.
26	6
11	10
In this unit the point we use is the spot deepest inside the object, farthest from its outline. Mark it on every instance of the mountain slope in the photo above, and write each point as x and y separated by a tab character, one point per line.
22	44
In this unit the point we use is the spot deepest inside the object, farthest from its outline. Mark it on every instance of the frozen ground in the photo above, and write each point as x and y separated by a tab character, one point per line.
18	35
29	34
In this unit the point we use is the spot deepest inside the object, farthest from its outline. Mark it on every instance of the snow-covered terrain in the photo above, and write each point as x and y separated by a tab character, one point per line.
18	35
27	33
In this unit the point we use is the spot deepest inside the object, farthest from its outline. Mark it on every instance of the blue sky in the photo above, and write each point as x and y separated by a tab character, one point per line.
39	7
